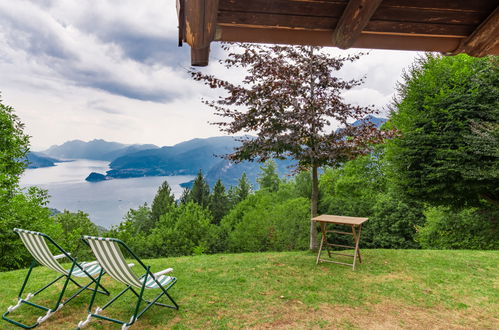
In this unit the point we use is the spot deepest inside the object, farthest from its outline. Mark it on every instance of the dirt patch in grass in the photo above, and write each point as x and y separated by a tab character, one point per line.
386	315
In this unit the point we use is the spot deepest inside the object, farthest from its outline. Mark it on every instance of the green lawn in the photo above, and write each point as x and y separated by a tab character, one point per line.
413	289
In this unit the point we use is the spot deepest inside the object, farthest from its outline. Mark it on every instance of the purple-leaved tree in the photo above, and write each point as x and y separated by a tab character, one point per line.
290	98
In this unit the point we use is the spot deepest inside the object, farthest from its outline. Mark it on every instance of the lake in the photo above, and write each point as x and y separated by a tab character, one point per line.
106	202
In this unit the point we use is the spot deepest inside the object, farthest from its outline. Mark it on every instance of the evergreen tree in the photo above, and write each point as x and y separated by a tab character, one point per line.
184	198
200	191
243	189
447	111
163	202
219	202
268	178
232	196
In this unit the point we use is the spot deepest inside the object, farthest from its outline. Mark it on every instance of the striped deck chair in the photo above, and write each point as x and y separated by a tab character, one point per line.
109	255
36	243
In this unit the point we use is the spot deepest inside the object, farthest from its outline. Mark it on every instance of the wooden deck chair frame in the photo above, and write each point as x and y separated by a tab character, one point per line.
36	243
109	255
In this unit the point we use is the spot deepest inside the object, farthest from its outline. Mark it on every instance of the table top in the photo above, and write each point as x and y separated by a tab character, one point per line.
340	219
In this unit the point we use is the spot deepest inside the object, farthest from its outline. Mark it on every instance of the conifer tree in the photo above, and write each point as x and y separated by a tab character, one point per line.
243	189
219	202
200	191
184	198
163	202
268	178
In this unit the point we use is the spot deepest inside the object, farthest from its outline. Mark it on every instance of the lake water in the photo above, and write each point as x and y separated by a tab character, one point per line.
106	202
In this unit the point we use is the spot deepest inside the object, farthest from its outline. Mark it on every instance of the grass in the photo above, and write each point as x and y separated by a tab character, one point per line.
392	289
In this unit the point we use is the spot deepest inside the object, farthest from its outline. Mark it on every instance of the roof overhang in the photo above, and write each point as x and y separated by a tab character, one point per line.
446	26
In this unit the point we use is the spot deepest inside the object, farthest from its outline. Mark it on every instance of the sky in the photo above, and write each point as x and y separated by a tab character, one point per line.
112	69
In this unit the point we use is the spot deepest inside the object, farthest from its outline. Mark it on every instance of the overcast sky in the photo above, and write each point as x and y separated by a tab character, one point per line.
111	69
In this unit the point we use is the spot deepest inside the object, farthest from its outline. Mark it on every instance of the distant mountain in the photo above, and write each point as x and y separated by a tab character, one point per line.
184	158
96	149
37	160
187	158
377	121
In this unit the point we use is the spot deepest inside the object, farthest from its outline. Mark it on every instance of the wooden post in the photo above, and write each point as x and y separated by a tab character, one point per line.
200	27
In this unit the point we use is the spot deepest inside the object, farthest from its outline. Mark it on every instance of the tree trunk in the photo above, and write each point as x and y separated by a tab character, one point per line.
313	208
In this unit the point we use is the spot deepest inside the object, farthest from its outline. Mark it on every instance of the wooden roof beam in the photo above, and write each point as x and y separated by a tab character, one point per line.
199	29
484	39
353	20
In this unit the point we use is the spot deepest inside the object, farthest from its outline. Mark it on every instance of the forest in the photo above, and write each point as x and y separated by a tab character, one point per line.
432	184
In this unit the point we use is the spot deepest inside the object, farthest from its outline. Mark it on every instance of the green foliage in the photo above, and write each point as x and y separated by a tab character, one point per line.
471	228
200	191
219	202
243	189
447	108
393	223
184	198
361	188
183	231
132	230
13	149
268	178
73	226
303	184
351	190
26	211
162	203
263	223
17	208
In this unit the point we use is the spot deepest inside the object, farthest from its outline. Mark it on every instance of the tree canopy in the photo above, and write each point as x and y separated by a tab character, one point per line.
447	113
14	145
162	202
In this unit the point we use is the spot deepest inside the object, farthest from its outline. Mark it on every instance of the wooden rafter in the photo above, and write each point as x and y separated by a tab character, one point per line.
354	19
484	39
323	38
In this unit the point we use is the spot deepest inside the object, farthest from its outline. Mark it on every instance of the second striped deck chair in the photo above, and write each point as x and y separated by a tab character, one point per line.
109	255
36	243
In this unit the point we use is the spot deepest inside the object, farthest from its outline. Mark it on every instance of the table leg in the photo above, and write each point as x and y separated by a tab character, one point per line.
356	237
323	238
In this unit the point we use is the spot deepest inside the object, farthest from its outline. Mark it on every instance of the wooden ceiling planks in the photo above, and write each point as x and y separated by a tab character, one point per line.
448	26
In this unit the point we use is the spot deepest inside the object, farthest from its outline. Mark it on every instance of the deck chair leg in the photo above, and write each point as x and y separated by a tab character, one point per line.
33	264
26	301
165	292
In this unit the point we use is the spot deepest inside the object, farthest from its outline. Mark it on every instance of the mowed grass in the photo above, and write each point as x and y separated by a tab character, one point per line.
391	289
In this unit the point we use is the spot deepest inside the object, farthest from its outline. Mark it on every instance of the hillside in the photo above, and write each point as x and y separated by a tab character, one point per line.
391	289
97	149
184	158
37	160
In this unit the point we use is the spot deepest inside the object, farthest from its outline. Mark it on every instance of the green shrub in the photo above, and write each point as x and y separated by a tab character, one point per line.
183	231
268	223
469	228
26	211
392	223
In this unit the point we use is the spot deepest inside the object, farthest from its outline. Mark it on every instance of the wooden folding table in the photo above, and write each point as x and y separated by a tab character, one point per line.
356	225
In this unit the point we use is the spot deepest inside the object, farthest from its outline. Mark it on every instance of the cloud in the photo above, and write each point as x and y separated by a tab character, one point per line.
111	57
